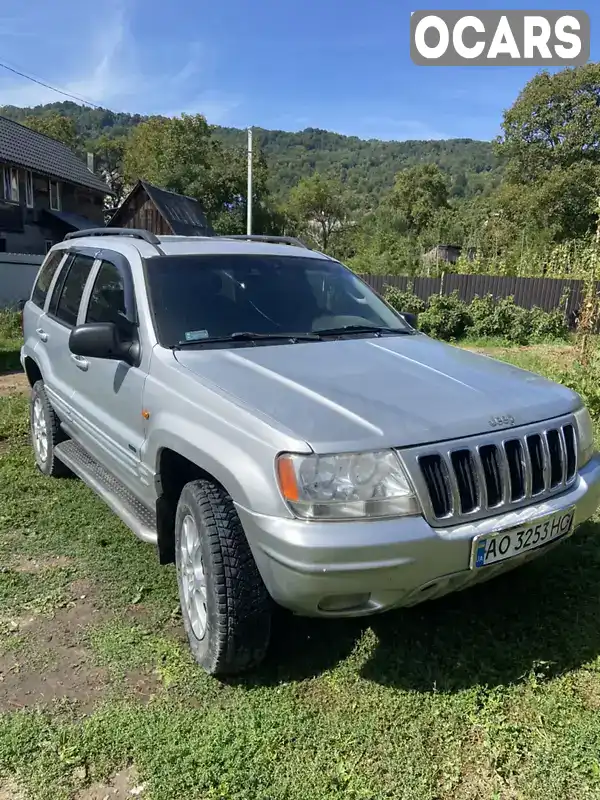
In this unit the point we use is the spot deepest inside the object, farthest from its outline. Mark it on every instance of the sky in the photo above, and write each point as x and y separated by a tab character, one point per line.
341	65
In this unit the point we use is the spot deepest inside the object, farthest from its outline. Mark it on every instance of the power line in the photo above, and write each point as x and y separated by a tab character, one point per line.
48	86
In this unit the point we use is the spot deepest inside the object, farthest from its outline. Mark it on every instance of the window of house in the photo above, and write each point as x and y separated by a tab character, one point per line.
55	195
69	294
107	301
48	244
44	278
29	188
2	245
11	184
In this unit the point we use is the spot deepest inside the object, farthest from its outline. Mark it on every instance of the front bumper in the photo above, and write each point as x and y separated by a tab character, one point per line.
390	563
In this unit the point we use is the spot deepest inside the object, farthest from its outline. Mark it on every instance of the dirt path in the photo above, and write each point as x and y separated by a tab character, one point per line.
13	383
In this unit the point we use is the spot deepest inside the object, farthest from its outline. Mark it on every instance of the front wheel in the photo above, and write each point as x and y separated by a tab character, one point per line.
225	606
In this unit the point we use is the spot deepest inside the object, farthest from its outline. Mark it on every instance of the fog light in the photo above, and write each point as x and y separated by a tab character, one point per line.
344	602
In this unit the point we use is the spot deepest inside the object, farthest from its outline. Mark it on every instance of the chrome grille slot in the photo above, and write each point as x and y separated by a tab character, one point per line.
556	457
536	455
516	468
466	480
438	485
475	477
571	451
492	474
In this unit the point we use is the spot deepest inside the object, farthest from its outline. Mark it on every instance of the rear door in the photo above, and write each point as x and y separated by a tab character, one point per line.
58	364
35	335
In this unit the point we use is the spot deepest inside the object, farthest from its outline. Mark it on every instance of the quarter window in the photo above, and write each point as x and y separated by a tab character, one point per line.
44	278
70	292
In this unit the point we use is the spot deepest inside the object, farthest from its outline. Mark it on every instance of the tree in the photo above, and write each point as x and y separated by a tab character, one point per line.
183	155
109	154
555	122
317	204
55	126
418	195
560	205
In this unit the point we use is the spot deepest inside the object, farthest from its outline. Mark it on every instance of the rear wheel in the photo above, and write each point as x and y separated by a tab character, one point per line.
225	606
45	433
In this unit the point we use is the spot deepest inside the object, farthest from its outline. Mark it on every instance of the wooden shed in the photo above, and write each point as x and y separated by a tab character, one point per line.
164	213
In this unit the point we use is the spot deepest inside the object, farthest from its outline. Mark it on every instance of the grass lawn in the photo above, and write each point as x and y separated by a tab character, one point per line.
491	693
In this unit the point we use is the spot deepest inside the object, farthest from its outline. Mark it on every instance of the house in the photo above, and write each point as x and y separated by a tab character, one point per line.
45	191
161	212
447	254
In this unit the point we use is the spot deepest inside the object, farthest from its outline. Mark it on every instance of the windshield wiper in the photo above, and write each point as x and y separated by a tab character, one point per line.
250	336
378	331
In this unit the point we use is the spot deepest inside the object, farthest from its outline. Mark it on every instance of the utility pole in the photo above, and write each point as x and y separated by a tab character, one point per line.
249	197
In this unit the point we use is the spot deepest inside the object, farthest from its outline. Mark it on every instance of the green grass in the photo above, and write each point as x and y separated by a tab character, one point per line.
10	340
490	693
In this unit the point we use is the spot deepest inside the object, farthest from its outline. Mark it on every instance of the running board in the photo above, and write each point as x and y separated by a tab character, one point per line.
138	518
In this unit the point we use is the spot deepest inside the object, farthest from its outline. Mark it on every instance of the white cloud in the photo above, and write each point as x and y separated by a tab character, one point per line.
93	54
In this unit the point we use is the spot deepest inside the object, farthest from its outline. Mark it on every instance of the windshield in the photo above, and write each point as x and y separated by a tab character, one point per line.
200	297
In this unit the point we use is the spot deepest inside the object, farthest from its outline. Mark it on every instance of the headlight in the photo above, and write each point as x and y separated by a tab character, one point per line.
585	436
346	485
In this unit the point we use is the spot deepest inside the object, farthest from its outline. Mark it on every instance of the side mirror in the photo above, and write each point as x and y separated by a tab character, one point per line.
412	319
98	340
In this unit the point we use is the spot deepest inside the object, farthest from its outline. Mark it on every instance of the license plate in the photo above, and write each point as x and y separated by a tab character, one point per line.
493	547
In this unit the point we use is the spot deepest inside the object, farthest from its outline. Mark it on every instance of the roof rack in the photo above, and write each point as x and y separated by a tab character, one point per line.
134	233
252	237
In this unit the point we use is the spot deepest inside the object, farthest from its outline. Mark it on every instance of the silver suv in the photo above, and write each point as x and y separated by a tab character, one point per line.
284	436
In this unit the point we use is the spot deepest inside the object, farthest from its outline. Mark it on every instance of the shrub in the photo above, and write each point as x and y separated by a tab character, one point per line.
10	324
483	322
512	321
447	317
404	300
548	325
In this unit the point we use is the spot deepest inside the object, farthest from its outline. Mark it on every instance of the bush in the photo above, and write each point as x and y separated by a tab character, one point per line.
404	300
483	322
512	321
10	324
548	325
447	317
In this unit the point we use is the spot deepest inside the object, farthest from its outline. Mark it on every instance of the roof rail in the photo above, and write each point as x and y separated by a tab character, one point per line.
134	233
252	237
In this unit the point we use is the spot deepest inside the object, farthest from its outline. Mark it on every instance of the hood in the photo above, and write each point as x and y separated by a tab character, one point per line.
395	391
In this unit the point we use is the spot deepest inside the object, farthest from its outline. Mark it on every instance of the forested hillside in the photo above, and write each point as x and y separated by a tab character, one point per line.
366	167
527	204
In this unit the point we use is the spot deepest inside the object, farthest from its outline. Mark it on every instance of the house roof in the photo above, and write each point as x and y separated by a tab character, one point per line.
183	214
75	221
26	148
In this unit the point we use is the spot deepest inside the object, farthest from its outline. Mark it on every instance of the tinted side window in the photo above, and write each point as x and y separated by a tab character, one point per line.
44	279
107	301
72	289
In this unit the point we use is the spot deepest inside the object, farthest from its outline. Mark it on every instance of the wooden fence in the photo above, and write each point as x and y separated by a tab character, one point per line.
546	293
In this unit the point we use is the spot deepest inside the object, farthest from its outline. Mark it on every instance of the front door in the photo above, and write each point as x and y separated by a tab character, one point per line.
107	405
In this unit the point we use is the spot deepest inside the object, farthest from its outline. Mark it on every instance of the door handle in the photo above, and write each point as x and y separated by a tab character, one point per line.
42	334
80	362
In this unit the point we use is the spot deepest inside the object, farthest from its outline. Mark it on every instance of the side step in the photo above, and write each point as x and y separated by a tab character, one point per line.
140	519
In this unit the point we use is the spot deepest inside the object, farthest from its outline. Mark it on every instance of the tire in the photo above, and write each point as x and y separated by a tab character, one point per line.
234	634
46	433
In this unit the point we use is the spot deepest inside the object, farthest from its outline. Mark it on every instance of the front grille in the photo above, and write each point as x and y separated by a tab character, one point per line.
471	480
